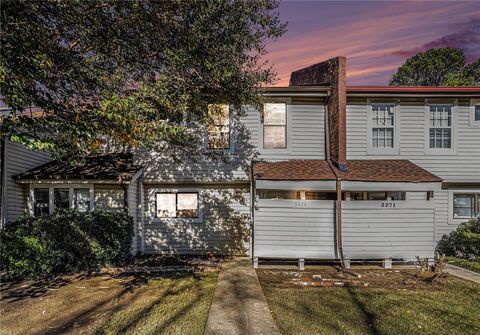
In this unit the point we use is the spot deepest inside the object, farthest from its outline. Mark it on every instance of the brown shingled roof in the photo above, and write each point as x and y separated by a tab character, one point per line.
359	170
293	170
114	167
387	170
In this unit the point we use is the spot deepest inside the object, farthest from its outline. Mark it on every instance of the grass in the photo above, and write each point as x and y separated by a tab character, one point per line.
111	305
464	263
451	307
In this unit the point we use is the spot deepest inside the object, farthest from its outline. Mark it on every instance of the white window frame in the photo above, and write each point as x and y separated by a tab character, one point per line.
152	198
287	150
474	103
371	150
231	135
453	134
51	187
456	221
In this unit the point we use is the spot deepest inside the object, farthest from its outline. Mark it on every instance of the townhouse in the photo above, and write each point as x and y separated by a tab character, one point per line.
338	173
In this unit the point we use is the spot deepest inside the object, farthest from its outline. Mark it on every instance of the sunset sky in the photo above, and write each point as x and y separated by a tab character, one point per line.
375	36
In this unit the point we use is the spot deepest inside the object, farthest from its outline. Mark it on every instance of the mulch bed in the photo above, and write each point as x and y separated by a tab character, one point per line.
334	277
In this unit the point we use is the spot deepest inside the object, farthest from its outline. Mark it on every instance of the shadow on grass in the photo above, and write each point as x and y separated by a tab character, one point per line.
122	303
18	290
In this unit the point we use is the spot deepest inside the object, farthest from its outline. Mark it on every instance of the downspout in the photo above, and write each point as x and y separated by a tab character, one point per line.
338	186
252	206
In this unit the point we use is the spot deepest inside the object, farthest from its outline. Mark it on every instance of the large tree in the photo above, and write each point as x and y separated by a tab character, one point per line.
437	67
137	72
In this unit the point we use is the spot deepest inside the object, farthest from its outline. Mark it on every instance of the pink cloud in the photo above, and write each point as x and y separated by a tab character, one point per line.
373	36
466	39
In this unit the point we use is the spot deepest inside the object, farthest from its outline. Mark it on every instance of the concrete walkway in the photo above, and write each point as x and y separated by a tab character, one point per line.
463	273
239	305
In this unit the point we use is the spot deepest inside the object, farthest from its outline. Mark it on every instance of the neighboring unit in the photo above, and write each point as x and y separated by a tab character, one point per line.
340	173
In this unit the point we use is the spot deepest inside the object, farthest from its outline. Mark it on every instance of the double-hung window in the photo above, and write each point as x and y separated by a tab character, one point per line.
176	205
383	125
440	127
466	205
40	203
219	126
61	198
81	199
275	126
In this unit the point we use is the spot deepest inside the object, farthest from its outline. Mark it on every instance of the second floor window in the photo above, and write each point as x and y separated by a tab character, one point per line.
440	127
383	125
219	126
275	126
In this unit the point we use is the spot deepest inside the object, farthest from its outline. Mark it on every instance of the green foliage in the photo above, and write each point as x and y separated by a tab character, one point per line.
437	67
464	242
65	242
137	72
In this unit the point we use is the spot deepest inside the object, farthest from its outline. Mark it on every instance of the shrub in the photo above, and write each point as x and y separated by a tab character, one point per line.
464	242
65	242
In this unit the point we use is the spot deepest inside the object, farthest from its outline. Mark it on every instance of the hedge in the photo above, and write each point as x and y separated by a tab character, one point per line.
464	242
64	242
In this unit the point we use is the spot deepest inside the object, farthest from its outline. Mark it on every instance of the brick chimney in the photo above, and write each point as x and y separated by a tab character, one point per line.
331	73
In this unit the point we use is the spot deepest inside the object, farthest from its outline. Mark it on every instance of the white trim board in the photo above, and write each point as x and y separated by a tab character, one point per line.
324	185
389	186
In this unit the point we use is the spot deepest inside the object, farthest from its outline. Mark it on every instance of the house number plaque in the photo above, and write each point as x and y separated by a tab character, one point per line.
387	204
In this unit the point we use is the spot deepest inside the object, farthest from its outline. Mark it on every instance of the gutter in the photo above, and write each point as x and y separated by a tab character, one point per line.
338	187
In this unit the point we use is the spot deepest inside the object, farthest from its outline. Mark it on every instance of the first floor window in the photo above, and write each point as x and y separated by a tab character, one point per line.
61	198
466	205
40	203
81	198
275	126
176	205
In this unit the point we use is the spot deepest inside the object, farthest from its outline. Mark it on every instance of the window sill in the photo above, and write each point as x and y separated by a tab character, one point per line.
382	151
441	152
176	220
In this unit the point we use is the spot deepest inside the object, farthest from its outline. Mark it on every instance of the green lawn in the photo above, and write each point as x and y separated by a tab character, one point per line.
105	304
451	306
465	263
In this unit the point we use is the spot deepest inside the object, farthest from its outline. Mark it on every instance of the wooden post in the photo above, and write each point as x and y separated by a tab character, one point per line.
301	264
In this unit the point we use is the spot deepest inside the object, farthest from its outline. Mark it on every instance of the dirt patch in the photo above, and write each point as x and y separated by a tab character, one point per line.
83	304
335	277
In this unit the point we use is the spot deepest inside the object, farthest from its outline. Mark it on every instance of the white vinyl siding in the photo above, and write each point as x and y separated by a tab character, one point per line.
19	159
405	231
459	164
223	228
